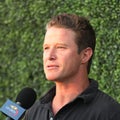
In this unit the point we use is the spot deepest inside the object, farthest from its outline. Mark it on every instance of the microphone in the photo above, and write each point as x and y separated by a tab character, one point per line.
26	97
24	100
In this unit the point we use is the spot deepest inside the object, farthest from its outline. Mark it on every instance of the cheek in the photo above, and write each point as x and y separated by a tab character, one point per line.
71	67
44	57
69	60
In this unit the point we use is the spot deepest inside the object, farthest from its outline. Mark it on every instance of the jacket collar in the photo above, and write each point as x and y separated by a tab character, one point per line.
86	95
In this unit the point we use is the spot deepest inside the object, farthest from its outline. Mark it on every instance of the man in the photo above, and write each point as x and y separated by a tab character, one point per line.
68	50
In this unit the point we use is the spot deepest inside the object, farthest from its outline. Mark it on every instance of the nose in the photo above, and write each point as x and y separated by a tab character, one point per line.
51	54
52	57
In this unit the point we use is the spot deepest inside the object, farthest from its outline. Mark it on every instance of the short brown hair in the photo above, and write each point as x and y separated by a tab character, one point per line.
85	35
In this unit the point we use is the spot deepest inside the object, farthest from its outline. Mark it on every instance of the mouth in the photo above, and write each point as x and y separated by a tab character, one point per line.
49	67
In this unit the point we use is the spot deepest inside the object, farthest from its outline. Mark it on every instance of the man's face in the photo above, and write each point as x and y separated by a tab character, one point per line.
60	57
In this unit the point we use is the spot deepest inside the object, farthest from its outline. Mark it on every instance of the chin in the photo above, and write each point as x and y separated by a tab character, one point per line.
50	78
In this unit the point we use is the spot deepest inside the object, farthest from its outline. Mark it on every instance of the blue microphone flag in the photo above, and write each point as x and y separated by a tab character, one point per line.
12	110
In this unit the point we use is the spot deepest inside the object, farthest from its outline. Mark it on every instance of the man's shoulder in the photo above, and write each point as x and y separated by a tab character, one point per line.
106	102
101	98
105	107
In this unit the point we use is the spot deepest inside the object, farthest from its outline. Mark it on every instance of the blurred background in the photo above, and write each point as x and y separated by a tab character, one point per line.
22	29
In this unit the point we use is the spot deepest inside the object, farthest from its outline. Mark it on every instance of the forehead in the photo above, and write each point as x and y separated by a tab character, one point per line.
59	34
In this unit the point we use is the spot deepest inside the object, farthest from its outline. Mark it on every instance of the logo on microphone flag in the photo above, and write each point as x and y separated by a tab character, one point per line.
12	110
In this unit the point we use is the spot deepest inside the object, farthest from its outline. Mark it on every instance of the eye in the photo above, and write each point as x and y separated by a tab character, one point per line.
45	48
60	47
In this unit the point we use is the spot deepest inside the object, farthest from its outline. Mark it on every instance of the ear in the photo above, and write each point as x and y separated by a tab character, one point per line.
86	54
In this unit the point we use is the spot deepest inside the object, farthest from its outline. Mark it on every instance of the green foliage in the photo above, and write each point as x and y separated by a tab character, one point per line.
22	28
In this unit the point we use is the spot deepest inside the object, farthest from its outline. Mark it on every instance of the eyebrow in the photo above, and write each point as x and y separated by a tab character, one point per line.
56	44
61	44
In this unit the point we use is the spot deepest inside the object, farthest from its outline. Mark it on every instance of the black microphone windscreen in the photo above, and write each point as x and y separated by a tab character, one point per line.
26	97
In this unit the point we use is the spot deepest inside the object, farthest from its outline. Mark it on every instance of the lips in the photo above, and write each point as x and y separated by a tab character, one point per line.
52	66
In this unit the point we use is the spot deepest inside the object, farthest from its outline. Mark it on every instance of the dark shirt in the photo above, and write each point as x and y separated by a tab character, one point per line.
92	104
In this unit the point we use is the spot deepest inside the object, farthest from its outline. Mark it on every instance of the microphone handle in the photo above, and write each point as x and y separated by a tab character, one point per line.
8	118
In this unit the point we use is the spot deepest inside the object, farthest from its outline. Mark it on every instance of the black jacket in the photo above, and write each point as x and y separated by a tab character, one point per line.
92	104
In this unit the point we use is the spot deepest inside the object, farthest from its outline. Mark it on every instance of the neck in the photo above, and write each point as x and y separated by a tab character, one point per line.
68	91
